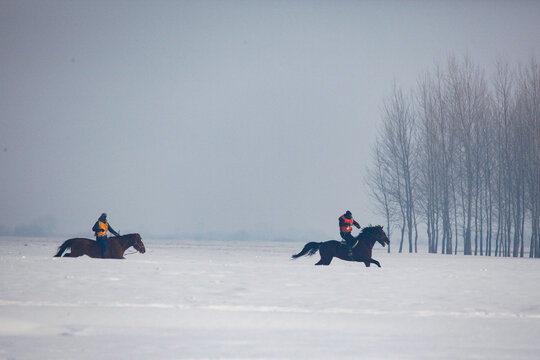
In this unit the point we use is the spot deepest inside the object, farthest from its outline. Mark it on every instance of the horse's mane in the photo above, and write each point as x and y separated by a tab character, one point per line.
124	236
371	229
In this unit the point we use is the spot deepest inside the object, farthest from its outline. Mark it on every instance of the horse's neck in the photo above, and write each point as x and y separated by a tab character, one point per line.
124	241
369	241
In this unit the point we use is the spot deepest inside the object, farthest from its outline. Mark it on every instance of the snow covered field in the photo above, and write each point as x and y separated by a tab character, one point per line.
247	300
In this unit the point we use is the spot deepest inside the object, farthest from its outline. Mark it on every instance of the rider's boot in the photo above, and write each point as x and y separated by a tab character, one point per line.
349	252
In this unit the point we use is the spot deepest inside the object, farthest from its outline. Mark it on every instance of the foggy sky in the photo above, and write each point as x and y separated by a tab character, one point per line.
217	116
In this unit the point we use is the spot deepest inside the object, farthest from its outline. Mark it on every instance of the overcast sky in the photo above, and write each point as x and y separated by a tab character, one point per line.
217	116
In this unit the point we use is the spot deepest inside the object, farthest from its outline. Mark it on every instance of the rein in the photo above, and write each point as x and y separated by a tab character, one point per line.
132	251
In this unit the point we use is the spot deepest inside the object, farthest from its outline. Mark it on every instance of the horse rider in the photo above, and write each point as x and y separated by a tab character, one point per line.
101	227
346	223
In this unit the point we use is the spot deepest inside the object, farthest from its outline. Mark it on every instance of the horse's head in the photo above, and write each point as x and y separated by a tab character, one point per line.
138	244
381	236
376	233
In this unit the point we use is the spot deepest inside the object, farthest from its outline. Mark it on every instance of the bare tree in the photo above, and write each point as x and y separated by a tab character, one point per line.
399	150
437	139
468	101
392	177
465	155
502	108
528	113
378	178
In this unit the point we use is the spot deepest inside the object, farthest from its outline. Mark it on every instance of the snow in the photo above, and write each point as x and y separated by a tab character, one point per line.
248	300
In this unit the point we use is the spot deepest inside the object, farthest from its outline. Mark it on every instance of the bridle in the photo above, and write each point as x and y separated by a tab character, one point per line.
136	242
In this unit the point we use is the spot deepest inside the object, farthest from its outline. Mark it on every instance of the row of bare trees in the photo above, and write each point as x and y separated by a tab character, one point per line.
459	156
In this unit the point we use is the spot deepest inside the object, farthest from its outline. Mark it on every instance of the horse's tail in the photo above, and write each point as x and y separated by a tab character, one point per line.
310	249
63	247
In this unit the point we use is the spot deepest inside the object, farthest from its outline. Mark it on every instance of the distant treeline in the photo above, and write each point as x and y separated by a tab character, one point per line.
41	227
459	156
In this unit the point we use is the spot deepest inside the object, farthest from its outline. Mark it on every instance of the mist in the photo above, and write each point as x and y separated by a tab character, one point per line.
253	118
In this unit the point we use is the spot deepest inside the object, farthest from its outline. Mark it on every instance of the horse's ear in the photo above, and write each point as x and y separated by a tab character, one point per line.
382	227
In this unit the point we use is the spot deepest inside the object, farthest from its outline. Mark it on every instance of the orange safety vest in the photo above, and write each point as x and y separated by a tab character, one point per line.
348	224
103	228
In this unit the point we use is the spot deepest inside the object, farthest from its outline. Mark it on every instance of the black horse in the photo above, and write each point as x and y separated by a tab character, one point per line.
361	250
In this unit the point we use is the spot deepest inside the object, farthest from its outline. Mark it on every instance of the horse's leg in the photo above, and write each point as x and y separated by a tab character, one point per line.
119	253
326	258
325	261
115	251
76	251
72	253
373	261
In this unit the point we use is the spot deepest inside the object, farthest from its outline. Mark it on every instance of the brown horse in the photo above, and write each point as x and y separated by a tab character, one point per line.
361	250
117	246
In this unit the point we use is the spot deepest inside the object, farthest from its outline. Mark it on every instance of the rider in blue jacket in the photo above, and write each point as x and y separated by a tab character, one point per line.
101	227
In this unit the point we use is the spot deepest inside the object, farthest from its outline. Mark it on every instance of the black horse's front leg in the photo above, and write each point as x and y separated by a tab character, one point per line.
368	262
373	261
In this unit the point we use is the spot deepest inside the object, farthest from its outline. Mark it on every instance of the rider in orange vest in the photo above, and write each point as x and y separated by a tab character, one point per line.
346	222
101	227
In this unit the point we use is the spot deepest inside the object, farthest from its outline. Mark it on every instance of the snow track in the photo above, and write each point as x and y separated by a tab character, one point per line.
275	309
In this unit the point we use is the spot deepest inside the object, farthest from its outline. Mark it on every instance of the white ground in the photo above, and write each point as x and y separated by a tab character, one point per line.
240	300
